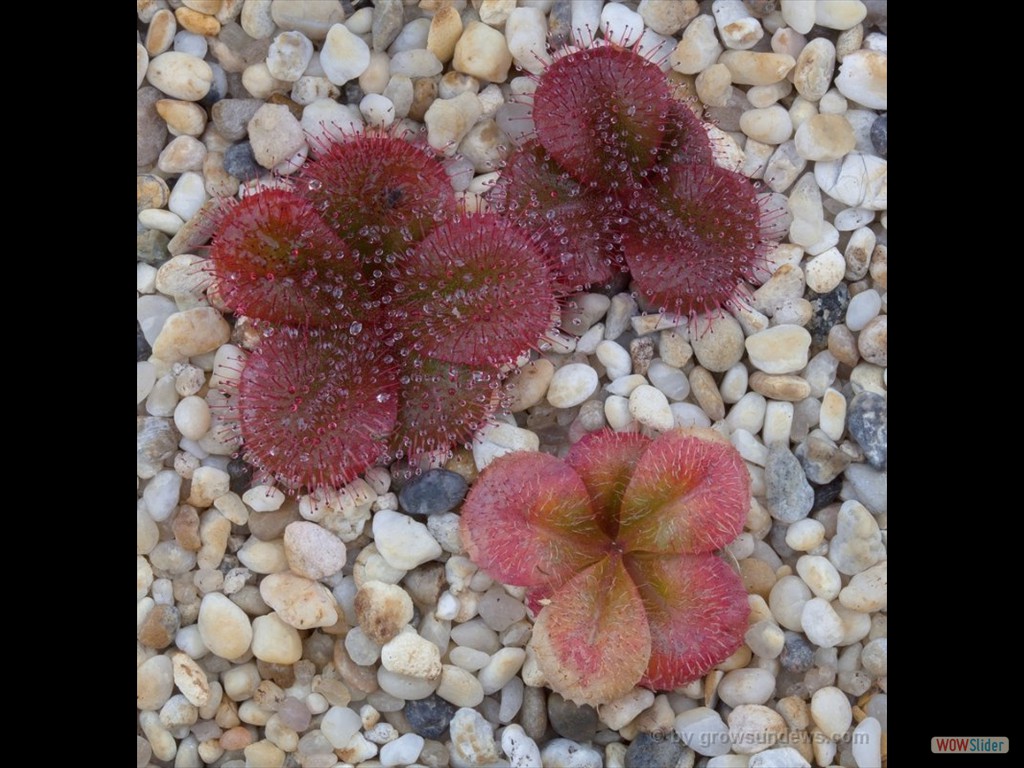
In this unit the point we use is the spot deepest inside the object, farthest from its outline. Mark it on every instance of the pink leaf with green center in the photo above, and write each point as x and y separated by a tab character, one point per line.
605	461
697	611
529	522
690	493
592	640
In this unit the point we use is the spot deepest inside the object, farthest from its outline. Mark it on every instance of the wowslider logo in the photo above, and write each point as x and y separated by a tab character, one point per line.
996	745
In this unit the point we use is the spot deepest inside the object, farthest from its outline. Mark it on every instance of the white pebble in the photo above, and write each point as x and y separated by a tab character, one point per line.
415	63
188	195
831	711
522	751
614	358
787	599
621	25
739	30
344	56
863	308
289	56
746	686
804	535
778	422
689	415
526	34
771	125
669	380
616	412
820	575
825	271
703	730
571	385
570	754
403	542
339	725
402	751
858	179
192	417
161	220
781	349
821	623
867	743
161	494
650	407
734	383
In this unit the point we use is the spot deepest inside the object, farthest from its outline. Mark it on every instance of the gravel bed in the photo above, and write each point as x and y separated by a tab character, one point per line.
351	628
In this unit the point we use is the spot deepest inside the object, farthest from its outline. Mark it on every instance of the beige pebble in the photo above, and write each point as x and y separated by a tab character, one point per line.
666	17
529	384
825	271
832	419
873	341
786	284
183	153
190	679
182	117
842	343
409	654
275	642
382	610
840	14
787	387
312	551
160	34
698	49
460	687
782	349
754	727
717	342
196	22
714	85
223	626
482	52
772	125
754	68
444	33
705	391
815	65
300	602
824	137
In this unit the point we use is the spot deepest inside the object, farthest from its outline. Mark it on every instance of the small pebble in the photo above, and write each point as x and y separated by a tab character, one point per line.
472	740
649	750
429	717
223	626
571	385
650	407
754	727
718	344
577	722
344	56
403	542
180	75
563	753
482	52
434	492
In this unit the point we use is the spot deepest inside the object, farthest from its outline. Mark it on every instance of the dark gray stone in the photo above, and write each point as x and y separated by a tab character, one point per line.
797	653
868	421
142	348
827	493
570	720
880	135
432	493
240	162
649	750
430	717
240	473
151	247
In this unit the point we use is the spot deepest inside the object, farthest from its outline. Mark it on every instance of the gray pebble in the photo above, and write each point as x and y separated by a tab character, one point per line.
788	494
150	128
867	420
231	117
797	653
821	459
870	486
533	715
432	493
658	751
156	441
240	162
570	720
880	135
387	22
429	717
151	247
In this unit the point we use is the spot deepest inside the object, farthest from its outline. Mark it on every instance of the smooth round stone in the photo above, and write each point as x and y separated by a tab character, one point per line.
867	742
781	349
154	682
289	56
824	137
815	65
822	625
754	727
804	535
275	135
529	384
765	639
180	75
223	626
746	686
339	725
482	52
312	551
162	221
500	669
402	751
459	687
344	56
787	599
300	602
820	575
449	120
825	271
703	730
571	385
499	609
757	68
434	492
192	417
616	412
378	110
191	332
670	380
698	48
162	494
614	358
621	24
650	407
182	117
868	590
718	343
275	642
526	35
831	711
403	542
873	342
771	125
840	14
382	610
862	308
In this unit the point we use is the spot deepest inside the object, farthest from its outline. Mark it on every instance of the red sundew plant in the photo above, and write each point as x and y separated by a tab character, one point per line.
613	146
390	319
616	544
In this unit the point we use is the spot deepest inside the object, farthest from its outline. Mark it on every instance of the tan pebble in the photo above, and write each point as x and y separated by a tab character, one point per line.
481	51
218	182
788	387
238	737
191	332
753	68
824	137
209	7
673	348
849	40
842	343
182	117
190	679
151	191
160	34
705	390
362	680
424	91
443	35
529	384
879	269
159	627
196	22
300	602
382	610
873	341
815	65
714	85
275	642
185	527
265	754
758	577
795	712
